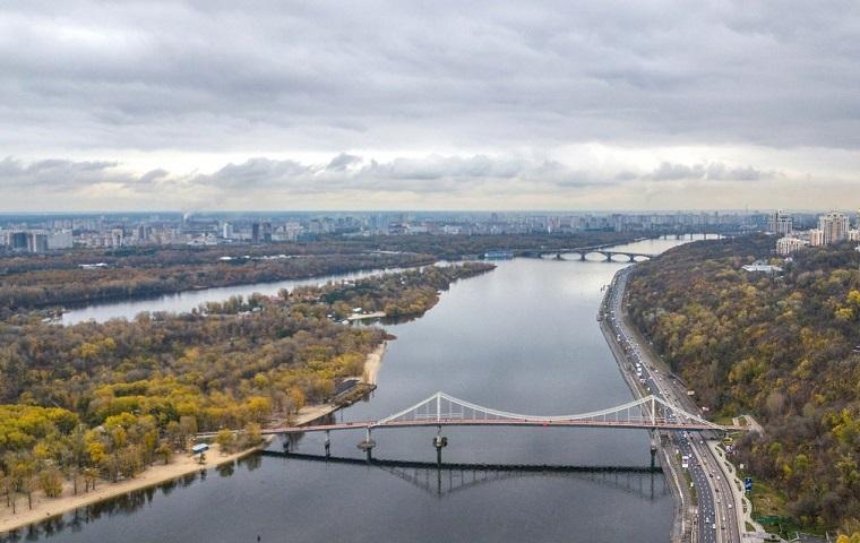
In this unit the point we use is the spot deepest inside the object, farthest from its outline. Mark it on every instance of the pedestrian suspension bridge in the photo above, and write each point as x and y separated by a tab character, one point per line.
440	409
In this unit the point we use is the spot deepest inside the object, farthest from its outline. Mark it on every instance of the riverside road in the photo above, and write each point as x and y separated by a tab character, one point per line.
715	519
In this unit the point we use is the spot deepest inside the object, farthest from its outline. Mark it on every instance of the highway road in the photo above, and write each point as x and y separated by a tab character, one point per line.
716	519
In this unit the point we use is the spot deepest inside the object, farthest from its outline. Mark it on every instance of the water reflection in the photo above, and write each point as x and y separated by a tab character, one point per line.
122	505
444	479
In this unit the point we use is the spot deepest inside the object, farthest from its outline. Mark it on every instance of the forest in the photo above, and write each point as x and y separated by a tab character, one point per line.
782	346
102	401
25	285
72	278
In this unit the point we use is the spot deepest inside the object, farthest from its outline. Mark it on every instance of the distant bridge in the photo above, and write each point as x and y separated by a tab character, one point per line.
440	409
606	251
608	255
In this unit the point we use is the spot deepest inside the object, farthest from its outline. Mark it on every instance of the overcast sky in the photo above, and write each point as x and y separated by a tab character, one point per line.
354	104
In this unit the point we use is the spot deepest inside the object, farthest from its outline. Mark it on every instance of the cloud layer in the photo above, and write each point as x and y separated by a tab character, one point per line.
355	182
458	85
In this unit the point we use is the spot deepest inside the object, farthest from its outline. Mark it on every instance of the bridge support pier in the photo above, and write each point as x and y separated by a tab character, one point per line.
327	444
367	445
440	442
653	449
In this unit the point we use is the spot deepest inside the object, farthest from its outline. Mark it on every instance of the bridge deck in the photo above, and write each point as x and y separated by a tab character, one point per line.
636	425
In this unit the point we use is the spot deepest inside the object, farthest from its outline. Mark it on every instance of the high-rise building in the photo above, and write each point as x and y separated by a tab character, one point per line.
816	237
37	242
787	245
18	241
62	239
255	232
780	223
835	227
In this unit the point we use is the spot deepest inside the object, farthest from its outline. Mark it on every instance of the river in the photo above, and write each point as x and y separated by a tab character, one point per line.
522	338
184	302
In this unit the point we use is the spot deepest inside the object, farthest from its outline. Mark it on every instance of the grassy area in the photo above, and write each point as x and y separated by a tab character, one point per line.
769	509
766	501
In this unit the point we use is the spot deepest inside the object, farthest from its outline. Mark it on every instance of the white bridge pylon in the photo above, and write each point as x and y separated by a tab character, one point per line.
647	412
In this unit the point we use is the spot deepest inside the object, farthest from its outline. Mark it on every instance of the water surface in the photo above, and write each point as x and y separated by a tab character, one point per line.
522	338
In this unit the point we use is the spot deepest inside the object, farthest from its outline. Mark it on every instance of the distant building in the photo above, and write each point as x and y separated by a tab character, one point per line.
17	241
498	255
816	237
117	237
787	245
835	227
854	235
760	266
780	223
62	239
37	242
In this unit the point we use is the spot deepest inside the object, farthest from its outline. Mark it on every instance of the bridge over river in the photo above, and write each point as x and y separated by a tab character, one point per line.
606	251
609	255
649	413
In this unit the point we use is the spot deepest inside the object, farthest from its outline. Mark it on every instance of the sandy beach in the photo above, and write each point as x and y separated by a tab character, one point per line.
181	465
373	364
44	508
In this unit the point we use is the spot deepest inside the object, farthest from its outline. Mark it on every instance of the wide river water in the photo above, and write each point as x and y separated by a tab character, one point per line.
522	338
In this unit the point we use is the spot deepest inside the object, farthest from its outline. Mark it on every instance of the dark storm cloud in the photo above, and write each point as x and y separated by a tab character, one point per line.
325	76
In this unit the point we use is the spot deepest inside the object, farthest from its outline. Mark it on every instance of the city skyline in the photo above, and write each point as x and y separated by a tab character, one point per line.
209	107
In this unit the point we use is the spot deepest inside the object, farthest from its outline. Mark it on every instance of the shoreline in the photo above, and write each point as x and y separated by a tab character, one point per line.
184	464
45	508
373	363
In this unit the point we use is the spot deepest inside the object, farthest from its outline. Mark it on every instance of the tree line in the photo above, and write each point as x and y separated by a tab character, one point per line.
103	401
784	346
57	279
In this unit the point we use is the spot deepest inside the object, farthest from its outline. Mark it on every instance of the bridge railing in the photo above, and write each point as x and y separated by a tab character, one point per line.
443	407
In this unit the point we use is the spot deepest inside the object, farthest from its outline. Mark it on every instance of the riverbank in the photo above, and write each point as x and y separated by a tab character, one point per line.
372	365
45	508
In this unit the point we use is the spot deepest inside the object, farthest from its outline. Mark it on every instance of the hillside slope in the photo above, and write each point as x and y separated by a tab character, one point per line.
783	347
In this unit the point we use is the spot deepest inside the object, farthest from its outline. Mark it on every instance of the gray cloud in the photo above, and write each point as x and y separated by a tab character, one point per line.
55	174
459	93
430	174
433	173
323	76
430	182
714	171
